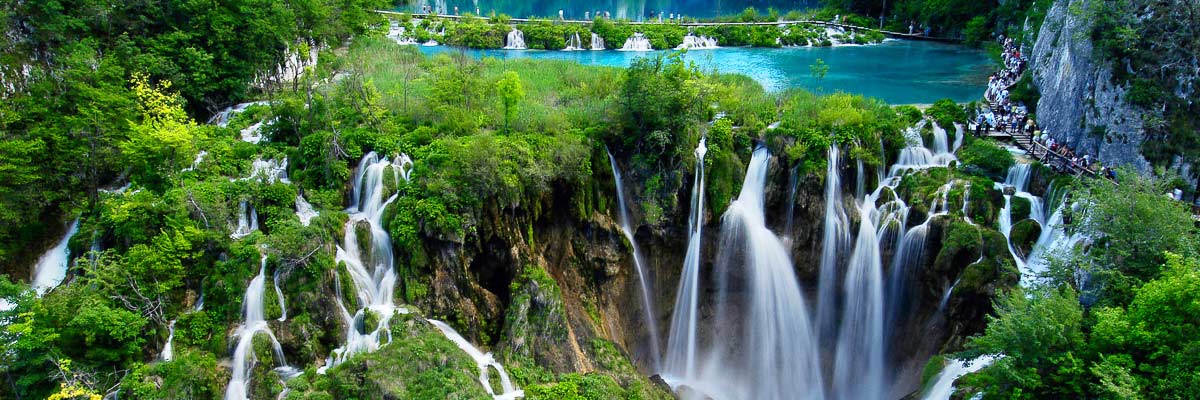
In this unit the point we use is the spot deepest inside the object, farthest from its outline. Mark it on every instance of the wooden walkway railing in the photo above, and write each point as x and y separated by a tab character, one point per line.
1039	152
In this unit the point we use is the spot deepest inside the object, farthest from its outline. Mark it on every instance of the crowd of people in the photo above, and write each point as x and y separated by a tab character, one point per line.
1005	115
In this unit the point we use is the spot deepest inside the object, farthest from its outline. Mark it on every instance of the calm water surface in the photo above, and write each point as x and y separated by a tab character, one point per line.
898	72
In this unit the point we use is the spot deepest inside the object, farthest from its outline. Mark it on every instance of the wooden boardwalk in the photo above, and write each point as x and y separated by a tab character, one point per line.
1039	152
889	34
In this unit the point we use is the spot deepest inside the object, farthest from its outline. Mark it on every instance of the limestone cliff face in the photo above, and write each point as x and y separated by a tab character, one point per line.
1080	105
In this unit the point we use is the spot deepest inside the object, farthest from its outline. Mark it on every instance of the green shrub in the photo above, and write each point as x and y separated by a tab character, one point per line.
986	158
946	112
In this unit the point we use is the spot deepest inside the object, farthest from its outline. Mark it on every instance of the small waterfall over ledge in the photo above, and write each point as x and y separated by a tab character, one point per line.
693	42
515	40
637	42
51	267
682	343
253	322
597	42
574	43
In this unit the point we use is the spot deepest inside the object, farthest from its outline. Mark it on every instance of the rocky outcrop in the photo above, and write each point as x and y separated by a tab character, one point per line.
1080	104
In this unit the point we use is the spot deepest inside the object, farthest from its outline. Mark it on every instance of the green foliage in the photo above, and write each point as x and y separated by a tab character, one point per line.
812	123
976	31
1025	92
986	158
511	93
946	112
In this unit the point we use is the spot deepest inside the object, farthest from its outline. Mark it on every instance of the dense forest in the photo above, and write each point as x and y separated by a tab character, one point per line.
200	152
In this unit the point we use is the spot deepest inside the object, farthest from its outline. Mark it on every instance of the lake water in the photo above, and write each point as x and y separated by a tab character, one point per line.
898	72
631	9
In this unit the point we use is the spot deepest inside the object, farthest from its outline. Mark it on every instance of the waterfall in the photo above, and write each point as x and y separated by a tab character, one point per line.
637	42
597	42
196	163
247	221
279	296
253	323
168	351
304	211
515	40
692	42
252	133
793	184
51	267
484	361
943	385
949	291
860	182
574	43
681	345
762	348
371	270
836	238
916	156
647	301
859	367
268	171
221	118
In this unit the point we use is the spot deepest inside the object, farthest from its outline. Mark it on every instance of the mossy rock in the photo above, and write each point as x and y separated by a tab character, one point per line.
1019	208
961	245
1024	235
419	363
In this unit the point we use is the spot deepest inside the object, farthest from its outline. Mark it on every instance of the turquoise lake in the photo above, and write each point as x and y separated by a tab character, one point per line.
898	72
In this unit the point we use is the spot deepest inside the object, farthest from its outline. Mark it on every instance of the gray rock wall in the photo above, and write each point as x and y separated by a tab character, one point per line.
1080	105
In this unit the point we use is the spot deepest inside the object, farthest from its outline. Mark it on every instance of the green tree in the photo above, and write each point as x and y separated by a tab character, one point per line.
511	93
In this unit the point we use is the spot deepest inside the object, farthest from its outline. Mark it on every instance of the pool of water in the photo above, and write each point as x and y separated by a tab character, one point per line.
898	72
631	9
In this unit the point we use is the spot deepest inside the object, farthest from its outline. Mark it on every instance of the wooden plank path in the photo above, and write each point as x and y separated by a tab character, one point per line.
890	34
1037	151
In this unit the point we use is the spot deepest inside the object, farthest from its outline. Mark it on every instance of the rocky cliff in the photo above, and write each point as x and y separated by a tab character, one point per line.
1080	105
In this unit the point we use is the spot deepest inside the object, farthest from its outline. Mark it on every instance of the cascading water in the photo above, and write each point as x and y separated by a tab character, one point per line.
279	296
574	43
859	367
304	211
370	271
943	385
836	238
597	42
692	42
252	324
196	163
222	117
168	351
247	221
637	42
484	361
268	171
647	301
761	348
51	267
515	40
682	343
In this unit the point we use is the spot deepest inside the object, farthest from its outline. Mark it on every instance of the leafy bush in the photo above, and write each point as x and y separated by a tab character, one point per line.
986	158
946	112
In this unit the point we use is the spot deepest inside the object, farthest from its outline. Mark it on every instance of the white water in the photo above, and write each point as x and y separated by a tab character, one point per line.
371	270
196	163
859	367
692	42
269	171
279	296
777	357
247	221
648	310
51	267
222	117
597	42
682	342
943	386
304	211
515	40
484	361
637	42
574	43
252	324
168	351
835	240
253	133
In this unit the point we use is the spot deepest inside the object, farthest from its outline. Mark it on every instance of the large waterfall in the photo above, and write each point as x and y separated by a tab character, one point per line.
682	344
833	244
51	267
762	346
638	262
